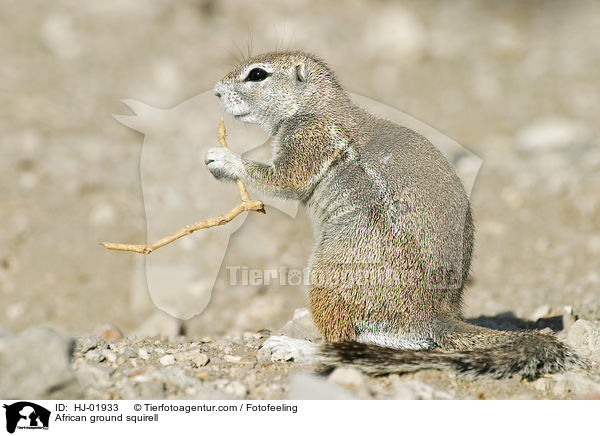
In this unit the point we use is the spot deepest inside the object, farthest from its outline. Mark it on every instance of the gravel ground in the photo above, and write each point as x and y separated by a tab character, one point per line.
108	366
515	83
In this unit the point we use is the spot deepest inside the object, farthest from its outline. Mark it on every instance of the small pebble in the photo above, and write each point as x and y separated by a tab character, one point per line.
200	360
94	356
167	359
89	342
111	356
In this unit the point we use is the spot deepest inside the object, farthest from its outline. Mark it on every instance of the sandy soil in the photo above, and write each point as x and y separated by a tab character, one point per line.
515	83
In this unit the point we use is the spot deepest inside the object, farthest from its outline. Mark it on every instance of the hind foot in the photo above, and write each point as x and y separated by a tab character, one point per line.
284	348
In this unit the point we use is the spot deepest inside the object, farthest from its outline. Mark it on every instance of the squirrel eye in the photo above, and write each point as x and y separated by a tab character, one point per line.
256	75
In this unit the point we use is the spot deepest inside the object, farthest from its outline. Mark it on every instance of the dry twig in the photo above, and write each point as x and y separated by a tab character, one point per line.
246	205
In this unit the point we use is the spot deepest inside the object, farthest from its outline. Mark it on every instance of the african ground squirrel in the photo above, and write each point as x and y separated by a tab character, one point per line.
391	221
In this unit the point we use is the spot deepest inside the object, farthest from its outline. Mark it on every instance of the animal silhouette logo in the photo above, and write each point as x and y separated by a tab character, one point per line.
179	190
26	415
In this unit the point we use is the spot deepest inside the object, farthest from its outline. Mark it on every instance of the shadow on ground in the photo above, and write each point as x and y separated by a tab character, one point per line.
508	321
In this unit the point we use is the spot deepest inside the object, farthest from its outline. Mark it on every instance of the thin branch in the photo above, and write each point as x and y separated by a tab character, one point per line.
246	205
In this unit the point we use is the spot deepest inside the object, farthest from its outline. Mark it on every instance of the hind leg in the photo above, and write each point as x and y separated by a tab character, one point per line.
340	321
332	315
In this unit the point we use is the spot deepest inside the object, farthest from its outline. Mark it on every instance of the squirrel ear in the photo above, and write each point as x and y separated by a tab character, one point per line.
301	73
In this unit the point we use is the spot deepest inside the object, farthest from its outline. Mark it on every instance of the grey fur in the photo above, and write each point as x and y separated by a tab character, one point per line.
392	226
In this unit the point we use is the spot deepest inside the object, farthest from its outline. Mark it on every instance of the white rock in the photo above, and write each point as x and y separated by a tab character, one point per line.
584	336
94	356
200	359
347	377
301	326
283	348
167	359
110	355
232	359
89	342
143	353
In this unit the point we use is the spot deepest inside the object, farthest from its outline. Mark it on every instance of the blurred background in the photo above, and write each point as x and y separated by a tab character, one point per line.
517	83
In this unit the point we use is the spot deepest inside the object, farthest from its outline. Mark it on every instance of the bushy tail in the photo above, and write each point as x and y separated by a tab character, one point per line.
527	354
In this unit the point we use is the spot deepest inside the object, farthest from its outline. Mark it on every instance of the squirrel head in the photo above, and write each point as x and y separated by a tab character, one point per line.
273	87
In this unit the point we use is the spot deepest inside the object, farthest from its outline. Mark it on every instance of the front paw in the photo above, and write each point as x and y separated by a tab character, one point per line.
222	163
